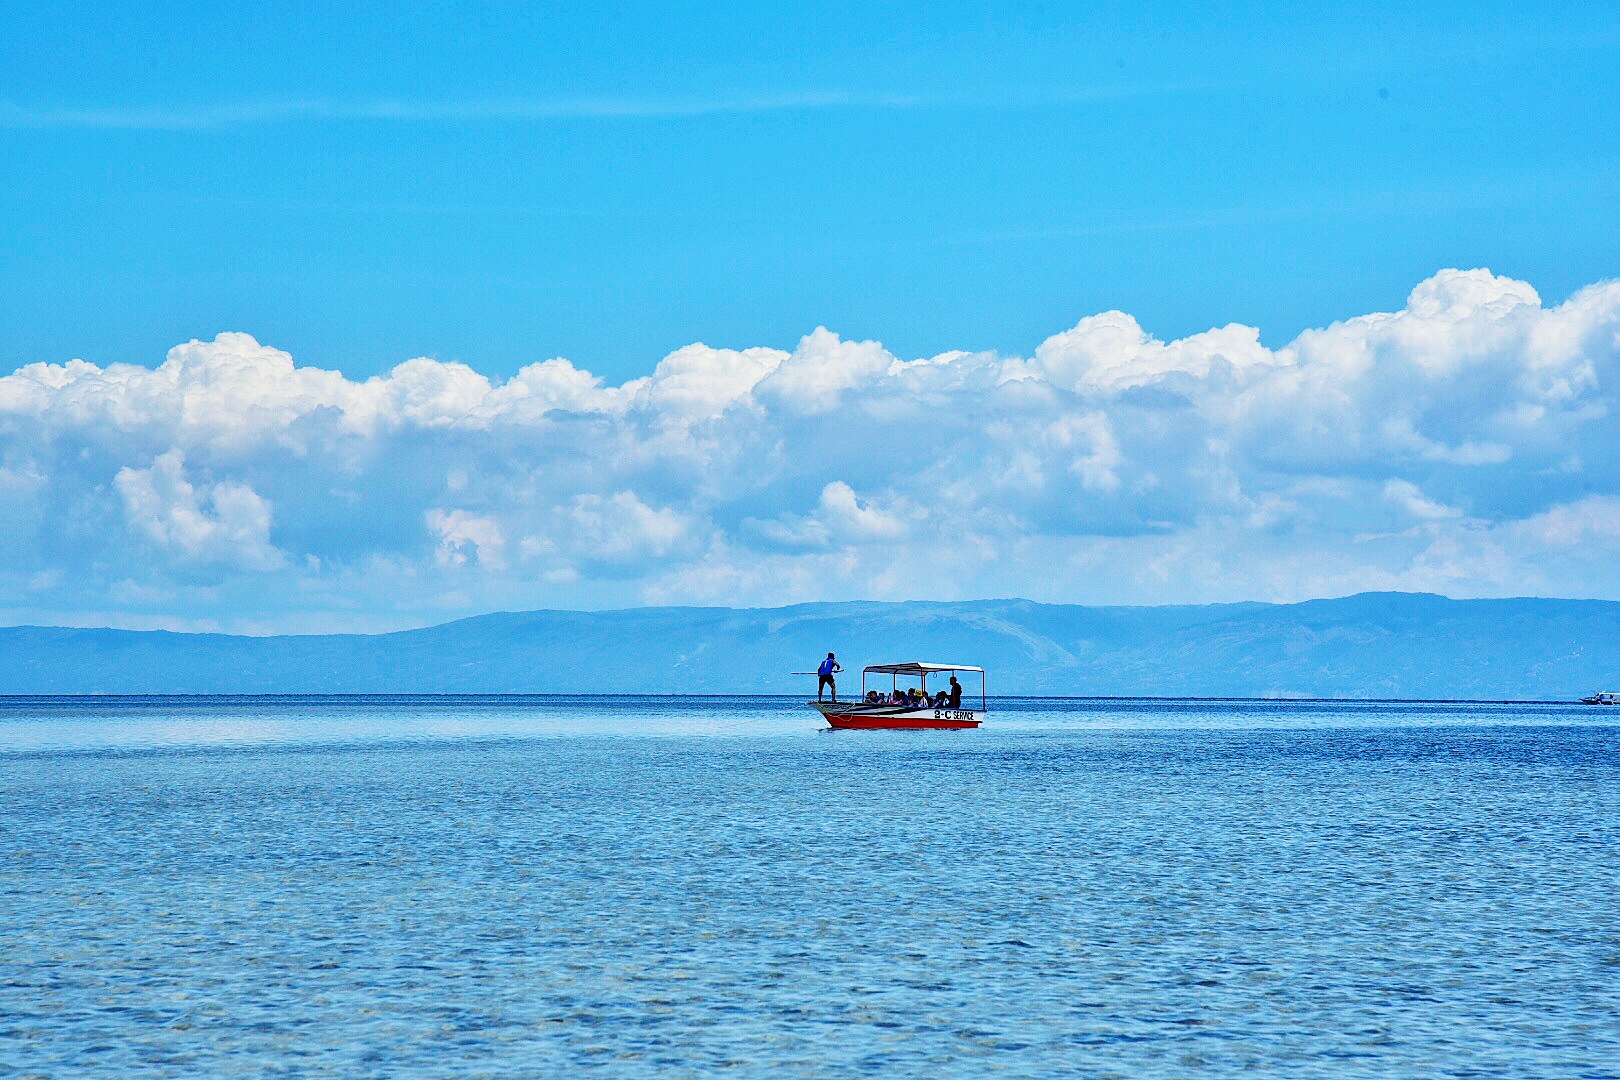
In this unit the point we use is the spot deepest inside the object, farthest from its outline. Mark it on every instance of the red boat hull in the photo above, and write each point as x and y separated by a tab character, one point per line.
911	720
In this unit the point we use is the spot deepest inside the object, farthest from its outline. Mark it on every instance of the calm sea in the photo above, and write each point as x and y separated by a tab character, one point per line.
667	887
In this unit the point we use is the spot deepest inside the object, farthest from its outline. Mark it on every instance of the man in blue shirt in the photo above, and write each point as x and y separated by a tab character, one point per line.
825	672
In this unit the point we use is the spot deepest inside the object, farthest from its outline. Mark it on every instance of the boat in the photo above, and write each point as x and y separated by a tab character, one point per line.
1602	697
868	714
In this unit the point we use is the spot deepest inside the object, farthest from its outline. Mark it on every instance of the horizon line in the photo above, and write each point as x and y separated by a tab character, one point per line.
619	696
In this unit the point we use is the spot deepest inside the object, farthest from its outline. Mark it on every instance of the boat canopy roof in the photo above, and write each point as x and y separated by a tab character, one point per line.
920	667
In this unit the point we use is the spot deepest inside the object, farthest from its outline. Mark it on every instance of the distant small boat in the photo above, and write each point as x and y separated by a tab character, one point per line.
876	711
1603	697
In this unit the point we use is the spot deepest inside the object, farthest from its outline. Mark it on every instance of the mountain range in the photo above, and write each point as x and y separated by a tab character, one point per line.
1372	645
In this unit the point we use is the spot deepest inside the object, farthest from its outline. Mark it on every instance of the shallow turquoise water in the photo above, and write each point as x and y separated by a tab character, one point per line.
675	886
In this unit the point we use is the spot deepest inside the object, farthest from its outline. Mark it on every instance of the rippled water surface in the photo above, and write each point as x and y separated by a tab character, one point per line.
545	886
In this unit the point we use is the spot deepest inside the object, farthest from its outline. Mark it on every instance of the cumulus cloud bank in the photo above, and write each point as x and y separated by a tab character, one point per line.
1465	444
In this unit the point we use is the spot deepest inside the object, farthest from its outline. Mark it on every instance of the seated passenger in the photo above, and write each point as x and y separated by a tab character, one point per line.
872	697
940	699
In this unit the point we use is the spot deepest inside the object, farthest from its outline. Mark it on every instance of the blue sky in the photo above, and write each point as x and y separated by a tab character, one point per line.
499	186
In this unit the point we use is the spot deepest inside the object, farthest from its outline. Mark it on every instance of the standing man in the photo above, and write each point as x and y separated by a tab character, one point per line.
829	667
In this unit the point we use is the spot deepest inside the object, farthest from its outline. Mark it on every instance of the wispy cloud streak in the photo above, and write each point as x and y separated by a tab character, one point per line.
205	116
291	110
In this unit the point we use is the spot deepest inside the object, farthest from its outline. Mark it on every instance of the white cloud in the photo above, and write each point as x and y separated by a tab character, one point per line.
1407	496
853	517
841	518
225	523
1465	440
1110	352
816	376
1096	453
461	534
620	527
700	383
1592	520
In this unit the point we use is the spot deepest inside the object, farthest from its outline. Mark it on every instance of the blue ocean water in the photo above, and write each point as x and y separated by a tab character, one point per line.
547	886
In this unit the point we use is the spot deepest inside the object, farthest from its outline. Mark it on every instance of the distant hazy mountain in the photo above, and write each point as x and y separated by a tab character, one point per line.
1371	645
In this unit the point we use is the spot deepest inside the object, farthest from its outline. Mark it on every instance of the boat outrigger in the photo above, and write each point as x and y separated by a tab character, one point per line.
875	710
